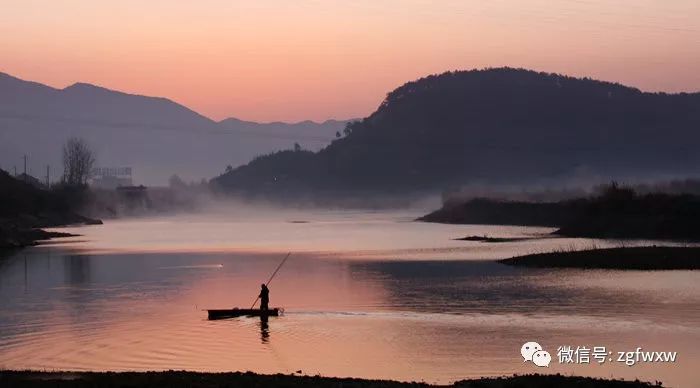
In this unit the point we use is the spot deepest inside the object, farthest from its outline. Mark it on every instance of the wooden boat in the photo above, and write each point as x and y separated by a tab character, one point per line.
236	312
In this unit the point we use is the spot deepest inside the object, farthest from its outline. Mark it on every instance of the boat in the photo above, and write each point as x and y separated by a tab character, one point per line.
236	312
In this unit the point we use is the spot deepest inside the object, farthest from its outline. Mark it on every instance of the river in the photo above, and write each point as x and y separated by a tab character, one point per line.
366	294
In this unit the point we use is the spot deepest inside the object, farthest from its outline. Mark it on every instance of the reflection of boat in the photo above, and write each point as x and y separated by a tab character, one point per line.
236	312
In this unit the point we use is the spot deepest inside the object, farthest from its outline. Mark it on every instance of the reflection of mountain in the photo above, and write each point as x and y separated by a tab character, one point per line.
477	287
491	126
156	136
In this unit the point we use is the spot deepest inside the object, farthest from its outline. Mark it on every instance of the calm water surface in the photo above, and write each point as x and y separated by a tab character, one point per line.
366	295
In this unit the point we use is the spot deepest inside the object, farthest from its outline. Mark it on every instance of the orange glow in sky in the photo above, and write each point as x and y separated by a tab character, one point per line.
314	59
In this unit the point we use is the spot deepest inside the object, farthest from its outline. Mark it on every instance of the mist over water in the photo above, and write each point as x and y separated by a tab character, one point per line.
366	294
357	233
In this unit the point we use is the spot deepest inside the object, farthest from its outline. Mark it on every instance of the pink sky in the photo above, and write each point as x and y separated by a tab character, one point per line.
297	60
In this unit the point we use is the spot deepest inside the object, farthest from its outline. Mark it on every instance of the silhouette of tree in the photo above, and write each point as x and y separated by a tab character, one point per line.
175	182
78	161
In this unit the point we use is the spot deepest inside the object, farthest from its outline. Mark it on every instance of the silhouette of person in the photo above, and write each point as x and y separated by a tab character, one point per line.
264	297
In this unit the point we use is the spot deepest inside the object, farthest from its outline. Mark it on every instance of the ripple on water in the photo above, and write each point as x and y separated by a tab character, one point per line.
433	320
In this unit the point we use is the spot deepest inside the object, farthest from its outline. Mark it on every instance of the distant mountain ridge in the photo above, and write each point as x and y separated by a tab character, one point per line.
307	128
499	125
154	135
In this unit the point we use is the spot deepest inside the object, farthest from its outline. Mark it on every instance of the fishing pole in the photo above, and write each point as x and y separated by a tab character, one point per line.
270	279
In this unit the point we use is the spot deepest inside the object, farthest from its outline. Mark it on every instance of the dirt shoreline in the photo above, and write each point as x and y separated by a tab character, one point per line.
22	379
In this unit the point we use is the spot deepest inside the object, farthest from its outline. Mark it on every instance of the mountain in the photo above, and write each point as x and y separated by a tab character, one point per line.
155	136
310	131
492	126
89	103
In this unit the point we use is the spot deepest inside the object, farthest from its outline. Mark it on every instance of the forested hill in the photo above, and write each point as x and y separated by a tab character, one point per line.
497	125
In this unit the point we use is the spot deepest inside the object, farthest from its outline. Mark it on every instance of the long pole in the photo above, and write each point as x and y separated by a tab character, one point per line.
273	275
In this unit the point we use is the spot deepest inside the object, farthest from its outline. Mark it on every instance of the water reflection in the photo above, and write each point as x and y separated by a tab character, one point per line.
466	286
433	320
77	269
26	276
264	329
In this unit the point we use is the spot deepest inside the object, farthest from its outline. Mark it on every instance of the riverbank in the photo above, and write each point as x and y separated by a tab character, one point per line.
617	213
639	258
175	379
14	238
27	230
26	209
488	239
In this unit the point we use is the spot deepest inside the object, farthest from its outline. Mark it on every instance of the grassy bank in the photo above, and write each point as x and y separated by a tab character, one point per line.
176	379
641	258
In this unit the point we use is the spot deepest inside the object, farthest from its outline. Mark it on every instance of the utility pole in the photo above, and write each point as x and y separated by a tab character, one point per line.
15	167
25	164
48	176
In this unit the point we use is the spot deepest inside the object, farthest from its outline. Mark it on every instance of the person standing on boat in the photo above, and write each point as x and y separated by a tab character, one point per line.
264	297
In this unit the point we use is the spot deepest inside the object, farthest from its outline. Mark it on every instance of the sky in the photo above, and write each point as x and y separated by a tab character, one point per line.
268	60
